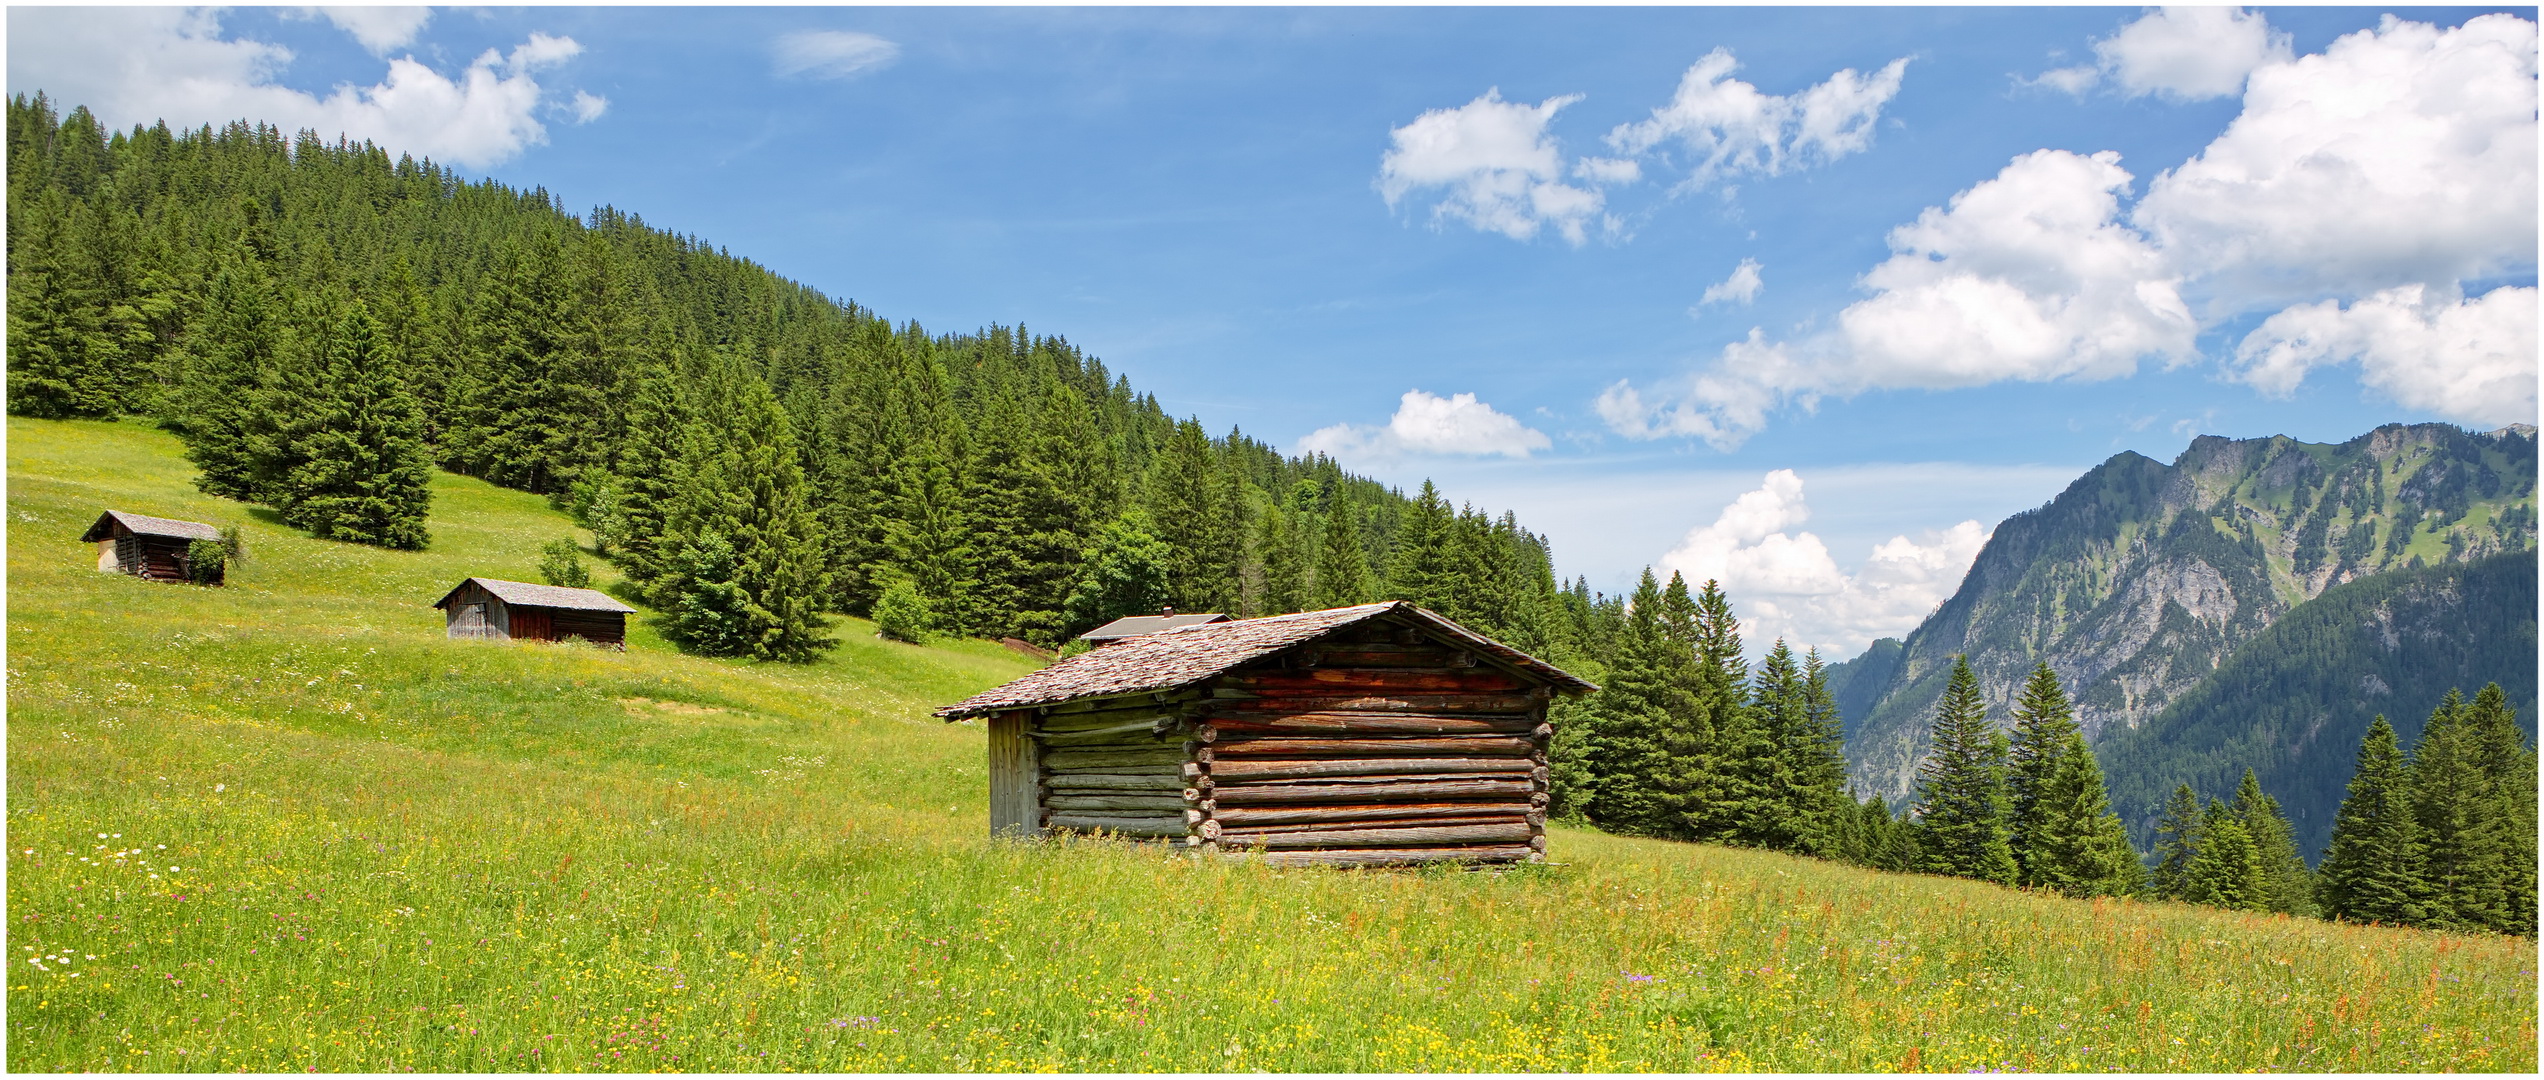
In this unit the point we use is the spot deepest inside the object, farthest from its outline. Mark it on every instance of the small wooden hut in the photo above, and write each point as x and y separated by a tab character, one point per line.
492	608
147	547
1130	626
1374	735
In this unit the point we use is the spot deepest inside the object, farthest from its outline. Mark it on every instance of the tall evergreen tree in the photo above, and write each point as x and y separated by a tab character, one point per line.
226	370
1817	752
748	575
2043	721
2227	871
1342	564
2078	845
357	469
1422	570
2177	842
1285	565
2372	871
1961	806
1635	720
1123	573
2459	830
2508	761
1709	758
2288	887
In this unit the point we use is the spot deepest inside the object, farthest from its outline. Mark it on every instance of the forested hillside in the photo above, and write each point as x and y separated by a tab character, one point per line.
2293	703
2141	579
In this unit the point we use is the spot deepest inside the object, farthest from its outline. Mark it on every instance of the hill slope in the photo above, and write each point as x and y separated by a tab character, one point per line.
2294	702
2141	578
287	825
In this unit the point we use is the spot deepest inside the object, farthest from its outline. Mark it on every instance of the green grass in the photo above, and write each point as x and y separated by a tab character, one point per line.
384	850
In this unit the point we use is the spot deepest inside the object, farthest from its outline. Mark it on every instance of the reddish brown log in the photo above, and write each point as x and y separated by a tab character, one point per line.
1267	816
1477	853
1405	836
1477	788
1227	771
1331	701
1466	745
1233	726
1330	680
1365	654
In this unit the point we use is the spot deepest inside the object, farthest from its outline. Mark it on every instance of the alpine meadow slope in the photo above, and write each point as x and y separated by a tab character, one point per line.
287	825
2141	580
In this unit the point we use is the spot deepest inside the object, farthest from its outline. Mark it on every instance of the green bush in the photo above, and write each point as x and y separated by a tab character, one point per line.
901	614
561	564
208	561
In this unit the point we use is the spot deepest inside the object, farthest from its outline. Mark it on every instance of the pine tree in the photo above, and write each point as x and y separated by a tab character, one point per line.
1716	741
1817	752
630	507
2227	872
2452	806
2078	845
748	576
2508	762
227	368
1634	721
1961	808
2177	842
1285	566
1342	565
2288	885
2043	721
2372	871
1188	508
1421	570
66	354
355	468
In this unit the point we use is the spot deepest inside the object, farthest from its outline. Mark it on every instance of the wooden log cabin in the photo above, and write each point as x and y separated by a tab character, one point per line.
1377	735
147	547
493	608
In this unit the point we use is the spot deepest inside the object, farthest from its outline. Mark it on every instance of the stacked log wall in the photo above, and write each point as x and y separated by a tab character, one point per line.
1378	746
1122	766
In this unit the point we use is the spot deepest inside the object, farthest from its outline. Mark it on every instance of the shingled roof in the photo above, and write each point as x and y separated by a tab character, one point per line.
1172	659
1136	625
145	525
528	595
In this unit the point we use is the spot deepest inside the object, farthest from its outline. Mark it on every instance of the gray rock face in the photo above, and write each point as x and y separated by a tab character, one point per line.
2140	579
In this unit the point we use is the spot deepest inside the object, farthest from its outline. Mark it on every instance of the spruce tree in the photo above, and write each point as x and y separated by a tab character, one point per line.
2177	841
225	371
2227	872
748	575
1718	739
66	356
1285	565
1342	565
1634	720
2043	721
2077	844
2288	885
1123	572
1422	570
1961	805
354	467
2459	830
2372	870
1817	752
2508	762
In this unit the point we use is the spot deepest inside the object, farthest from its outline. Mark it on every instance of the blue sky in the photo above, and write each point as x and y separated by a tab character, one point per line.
1325	225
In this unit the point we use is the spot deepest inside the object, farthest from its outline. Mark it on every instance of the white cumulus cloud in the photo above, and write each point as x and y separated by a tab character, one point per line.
1430	424
832	54
1496	166
1742	287
2356	193
140	65
1731	127
2472	359
2180	53
380	28
1786	585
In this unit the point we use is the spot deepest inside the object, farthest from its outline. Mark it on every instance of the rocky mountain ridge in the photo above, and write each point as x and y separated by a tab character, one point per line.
2141	578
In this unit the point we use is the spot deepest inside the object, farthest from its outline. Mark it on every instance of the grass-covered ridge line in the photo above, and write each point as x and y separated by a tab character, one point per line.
385	850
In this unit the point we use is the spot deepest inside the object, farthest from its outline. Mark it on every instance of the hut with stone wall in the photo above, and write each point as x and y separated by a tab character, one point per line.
1376	735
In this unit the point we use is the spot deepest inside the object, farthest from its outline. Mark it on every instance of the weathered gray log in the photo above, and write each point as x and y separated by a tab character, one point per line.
1261	816
1059	760
1160	802
1241	725
1116	770
1407	746
1160	701
1225	771
1114	781
1408	836
1478	853
1232	700
1478	788
1127	826
1130	732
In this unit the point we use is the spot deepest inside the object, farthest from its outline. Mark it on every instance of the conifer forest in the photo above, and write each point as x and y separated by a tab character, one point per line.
323	325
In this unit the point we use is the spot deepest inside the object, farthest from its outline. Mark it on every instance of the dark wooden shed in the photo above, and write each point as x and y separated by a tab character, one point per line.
1374	735
493	608
147	547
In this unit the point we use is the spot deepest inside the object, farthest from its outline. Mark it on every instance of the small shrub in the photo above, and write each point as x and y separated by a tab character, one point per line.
901	614
561	564
208	561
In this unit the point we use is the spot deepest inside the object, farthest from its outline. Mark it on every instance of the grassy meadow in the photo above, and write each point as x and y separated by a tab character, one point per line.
287	826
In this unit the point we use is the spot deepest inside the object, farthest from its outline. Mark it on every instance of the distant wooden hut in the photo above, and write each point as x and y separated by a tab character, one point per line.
492	608
148	547
1374	735
1130	626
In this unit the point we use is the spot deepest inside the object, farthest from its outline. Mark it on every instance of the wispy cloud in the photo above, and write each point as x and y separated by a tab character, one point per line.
832	54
